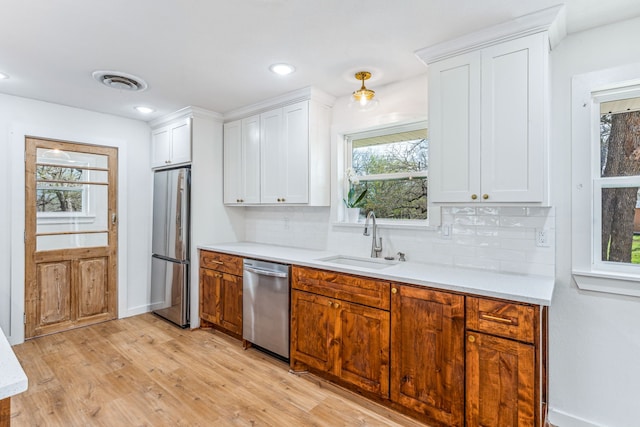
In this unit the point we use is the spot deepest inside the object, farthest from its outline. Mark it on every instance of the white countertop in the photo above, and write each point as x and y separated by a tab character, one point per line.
523	288
12	378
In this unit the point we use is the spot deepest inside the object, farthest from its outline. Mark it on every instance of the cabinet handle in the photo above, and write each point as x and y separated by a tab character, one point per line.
485	196
167	162
336	305
212	261
330	303
471	338
474	196
496	318
394	290
283	199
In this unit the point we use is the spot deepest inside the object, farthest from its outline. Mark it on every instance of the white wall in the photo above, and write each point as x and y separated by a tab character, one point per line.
594	367
20	117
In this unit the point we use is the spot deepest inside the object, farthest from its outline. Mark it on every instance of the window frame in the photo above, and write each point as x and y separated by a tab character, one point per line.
588	270
387	130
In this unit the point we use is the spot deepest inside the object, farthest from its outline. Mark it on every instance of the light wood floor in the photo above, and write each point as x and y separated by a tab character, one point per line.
142	371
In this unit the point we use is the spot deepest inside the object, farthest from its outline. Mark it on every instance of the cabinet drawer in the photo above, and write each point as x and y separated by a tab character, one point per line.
502	318
359	290
221	262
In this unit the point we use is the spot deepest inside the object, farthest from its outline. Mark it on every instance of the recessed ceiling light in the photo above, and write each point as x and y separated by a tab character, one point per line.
144	110
282	69
4	76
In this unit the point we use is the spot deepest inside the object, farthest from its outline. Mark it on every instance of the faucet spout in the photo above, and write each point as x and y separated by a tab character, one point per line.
376	243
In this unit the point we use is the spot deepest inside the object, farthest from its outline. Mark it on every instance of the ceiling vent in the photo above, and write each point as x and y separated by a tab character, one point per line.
119	80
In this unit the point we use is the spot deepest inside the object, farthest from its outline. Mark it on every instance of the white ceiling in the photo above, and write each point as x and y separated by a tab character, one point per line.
215	54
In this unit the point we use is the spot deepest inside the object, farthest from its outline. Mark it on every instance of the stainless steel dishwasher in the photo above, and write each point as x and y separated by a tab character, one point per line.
265	306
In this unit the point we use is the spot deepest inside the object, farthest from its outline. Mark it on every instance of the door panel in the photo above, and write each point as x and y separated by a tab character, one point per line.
54	293
70	235
364	350
313	330
427	339
93	286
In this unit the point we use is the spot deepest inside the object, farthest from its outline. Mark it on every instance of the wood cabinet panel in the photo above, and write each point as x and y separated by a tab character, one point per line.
229	304
221	262
503	318
427	347
500	382
312	330
363	357
5	412
360	290
208	290
221	291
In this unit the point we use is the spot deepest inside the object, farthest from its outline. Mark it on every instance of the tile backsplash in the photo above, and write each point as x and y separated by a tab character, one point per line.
503	239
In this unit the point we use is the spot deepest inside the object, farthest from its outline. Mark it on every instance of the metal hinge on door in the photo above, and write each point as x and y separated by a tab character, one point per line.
24	318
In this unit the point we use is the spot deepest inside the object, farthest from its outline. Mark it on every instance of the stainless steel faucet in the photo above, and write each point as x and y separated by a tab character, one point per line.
375	250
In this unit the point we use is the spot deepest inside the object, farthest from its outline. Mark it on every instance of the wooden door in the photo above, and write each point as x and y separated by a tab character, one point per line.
500	382
209	285
427	343
313	339
363	357
229	304
70	235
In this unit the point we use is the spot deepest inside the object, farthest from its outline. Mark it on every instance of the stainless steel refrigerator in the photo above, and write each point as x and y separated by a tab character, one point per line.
170	245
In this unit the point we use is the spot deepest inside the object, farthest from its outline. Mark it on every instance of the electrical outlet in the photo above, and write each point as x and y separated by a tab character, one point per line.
542	238
445	231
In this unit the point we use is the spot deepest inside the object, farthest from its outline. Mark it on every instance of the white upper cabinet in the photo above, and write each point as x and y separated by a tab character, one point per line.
285	154
280	156
488	113
242	161
486	118
171	144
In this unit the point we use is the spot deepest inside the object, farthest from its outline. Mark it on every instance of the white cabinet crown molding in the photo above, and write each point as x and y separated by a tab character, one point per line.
552	20
293	97
183	113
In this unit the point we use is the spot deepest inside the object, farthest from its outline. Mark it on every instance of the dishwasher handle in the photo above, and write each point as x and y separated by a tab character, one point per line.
265	272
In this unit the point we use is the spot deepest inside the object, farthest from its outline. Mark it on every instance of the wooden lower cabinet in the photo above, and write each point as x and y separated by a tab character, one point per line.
427	353
221	298
500	382
346	340
505	363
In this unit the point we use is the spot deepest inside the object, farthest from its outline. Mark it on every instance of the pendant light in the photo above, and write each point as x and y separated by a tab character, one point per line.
363	98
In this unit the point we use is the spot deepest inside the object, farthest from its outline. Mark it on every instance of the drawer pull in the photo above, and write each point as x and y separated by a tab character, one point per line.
472	338
214	261
496	318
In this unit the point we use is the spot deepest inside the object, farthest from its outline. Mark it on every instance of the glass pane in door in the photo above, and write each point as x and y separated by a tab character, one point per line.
72	197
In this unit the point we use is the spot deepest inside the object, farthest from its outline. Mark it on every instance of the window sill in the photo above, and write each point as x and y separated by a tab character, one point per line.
391	225
608	282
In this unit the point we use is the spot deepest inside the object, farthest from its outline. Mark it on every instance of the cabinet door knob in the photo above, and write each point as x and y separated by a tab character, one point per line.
394	290
485	196
336	305
474	196
330	303
471	338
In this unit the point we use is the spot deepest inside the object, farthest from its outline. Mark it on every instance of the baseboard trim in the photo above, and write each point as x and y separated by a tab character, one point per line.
562	419
134	311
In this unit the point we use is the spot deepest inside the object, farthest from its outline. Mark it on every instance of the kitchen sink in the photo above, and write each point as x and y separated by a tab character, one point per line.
375	263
